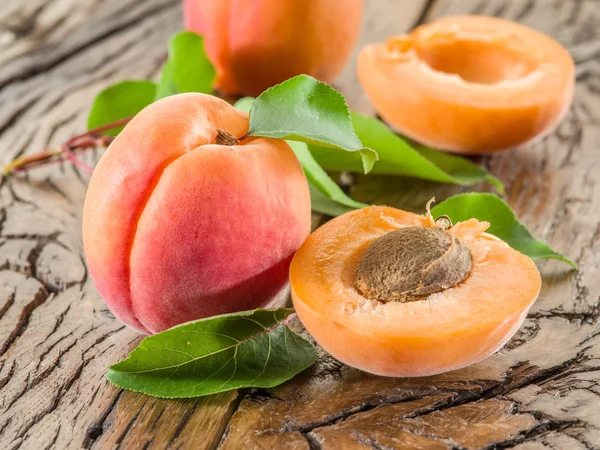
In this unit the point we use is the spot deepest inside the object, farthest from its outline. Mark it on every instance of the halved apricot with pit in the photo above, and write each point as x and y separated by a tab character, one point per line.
400	294
469	84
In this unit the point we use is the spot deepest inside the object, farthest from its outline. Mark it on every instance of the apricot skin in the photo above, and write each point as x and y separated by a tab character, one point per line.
176	228
469	84
257	44
449	330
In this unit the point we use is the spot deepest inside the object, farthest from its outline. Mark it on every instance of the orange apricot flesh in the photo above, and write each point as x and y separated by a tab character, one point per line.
469	84
444	331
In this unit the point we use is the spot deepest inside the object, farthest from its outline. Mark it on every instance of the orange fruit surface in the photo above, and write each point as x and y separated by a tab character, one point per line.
256	44
177	227
447	330
469	84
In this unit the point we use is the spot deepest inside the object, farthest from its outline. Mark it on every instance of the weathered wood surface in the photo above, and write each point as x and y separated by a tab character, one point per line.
57	337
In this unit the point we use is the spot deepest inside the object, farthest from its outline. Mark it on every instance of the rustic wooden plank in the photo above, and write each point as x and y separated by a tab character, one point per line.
57	338
541	391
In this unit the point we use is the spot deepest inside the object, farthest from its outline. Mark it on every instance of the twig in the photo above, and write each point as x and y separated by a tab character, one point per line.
68	150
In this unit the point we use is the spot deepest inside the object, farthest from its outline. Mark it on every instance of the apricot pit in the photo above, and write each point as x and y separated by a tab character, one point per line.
410	263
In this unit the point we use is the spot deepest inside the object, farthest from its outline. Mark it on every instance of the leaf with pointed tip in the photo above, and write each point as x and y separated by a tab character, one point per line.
321	181
398	157
326	196
188	69
221	353
323	204
307	110
502	219
119	101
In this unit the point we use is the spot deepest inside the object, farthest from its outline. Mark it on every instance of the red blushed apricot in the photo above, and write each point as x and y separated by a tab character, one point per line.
469	84
452	328
257	44
177	227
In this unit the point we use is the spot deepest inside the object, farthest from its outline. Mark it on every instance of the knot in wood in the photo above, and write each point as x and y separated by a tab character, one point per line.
411	263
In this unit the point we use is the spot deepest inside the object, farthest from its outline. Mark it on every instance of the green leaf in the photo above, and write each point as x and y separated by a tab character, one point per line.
119	101
503	223
188	69
326	196
221	353
323	204
462	170
398	157
319	178
306	110
244	104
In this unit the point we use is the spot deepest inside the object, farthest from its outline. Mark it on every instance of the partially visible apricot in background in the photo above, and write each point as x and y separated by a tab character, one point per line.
257	44
469	84
398	294
178	224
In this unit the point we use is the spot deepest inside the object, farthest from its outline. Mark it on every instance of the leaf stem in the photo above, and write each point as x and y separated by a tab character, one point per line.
289	318
68	150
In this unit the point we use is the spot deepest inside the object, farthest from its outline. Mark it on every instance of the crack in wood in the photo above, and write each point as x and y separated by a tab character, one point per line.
127	429
10	300
96	429
57	323
59	395
184	421
39	298
14	118
55	364
370	442
53	440
532	434
4	380
312	440
20	393
2	213
345	414
101	415
47	65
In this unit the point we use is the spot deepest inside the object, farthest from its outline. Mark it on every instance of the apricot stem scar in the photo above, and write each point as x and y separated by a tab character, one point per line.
226	138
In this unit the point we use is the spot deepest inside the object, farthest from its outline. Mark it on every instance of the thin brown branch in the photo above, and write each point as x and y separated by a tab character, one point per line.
67	151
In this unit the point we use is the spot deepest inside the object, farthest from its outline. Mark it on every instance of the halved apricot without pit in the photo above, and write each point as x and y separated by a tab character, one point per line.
469	84
400	294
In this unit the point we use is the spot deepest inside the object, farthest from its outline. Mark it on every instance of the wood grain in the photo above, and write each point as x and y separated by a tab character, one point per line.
57	338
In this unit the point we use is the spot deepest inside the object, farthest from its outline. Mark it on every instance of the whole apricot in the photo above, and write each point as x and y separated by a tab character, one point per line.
469	84
180	223
400	294
257	44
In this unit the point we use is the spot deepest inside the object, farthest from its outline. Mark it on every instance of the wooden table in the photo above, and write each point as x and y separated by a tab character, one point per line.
57	338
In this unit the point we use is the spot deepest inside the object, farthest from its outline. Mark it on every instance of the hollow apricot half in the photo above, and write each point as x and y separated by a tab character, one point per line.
439	332
469	84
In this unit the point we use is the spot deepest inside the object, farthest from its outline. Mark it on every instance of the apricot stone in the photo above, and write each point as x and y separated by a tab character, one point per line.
257	44
177	227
